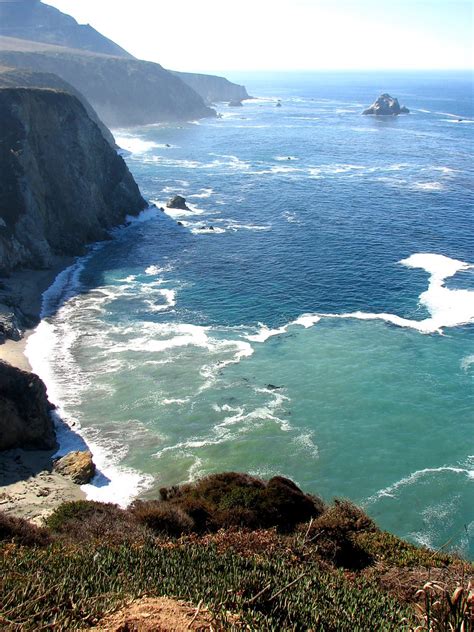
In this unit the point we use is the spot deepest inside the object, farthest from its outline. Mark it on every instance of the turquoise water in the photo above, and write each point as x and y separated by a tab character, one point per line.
321	330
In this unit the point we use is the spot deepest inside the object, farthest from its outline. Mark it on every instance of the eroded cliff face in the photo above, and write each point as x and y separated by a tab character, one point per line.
212	88
25	419
21	78
61	184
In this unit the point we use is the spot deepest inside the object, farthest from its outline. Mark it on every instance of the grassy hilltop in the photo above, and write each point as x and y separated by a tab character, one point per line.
251	554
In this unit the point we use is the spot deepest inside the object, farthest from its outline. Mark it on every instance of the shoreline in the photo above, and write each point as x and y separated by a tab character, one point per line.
29	488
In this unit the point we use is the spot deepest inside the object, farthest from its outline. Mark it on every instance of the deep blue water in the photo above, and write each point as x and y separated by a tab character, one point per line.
313	207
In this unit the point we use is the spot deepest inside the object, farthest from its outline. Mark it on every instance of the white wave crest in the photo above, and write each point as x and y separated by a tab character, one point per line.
447	307
134	144
391	490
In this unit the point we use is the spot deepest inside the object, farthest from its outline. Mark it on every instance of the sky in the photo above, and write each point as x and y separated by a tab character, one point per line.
281	35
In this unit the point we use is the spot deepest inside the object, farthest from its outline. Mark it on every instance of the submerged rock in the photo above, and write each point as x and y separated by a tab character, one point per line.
78	466
386	105
179	202
25	420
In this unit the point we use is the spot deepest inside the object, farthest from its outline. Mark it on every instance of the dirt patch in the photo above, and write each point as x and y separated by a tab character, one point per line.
157	615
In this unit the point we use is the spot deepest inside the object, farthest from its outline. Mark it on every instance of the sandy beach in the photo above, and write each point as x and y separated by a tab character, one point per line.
28	486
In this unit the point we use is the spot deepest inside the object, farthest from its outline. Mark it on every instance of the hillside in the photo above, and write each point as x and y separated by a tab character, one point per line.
243	553
124	92
29	26
33	20
62	184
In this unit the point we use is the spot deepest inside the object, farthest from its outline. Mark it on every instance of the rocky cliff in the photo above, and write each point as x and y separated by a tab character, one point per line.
25	419
62	185
20	78
213	89
33	20
124	92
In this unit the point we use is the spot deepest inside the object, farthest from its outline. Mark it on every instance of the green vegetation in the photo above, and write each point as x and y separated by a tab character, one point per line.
335	572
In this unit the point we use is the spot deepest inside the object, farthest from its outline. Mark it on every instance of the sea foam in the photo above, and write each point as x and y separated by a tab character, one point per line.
447	307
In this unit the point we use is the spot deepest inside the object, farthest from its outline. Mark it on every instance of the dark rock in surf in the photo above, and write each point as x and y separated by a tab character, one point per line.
178	202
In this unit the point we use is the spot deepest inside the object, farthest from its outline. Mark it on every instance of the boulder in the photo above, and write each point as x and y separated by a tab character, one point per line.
25	420
78	466
179	202
386	105
236	103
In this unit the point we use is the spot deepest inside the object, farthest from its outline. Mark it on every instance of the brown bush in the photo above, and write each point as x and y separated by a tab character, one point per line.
233	499
84	520
22	532
162	517
335	530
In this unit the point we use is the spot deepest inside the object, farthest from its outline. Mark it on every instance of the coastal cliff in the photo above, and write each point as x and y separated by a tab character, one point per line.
124	92
62	184
213	89
20	78
31	19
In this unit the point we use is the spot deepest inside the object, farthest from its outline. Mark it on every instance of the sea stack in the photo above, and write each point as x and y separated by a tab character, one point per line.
386	105
179	202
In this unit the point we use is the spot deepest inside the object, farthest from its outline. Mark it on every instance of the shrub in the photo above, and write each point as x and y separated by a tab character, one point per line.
233	499
162	518
22	532
394	551
335	532
84	520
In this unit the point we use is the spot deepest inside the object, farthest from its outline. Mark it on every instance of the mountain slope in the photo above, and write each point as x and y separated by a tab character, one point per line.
124	92
33	20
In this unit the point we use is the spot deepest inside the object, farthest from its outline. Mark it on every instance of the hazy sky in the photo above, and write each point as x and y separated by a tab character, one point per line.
216	35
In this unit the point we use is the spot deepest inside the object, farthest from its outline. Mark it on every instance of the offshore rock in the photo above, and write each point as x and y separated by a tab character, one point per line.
386	105
25	420
78	466
62	185
179	202
235	103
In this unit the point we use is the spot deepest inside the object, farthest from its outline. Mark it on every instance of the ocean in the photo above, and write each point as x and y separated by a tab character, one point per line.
310	316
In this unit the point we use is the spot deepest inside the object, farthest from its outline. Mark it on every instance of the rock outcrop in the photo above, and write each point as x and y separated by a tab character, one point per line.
386	105
33	20
235	103
25	419
62	185
124	92
78	466
213	89
178	202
